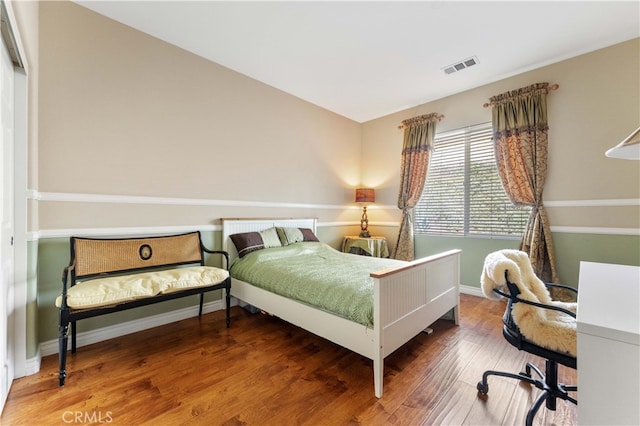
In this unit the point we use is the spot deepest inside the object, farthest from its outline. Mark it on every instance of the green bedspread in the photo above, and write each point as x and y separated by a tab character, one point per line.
316	274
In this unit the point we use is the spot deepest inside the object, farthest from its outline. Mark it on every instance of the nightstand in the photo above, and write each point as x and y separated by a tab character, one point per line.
372	246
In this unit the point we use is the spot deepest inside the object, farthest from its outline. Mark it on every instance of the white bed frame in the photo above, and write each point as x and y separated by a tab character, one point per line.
407	299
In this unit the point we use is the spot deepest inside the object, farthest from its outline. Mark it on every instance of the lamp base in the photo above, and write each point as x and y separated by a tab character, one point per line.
364	224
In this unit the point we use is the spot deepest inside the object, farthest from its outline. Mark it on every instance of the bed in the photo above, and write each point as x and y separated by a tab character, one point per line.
407	298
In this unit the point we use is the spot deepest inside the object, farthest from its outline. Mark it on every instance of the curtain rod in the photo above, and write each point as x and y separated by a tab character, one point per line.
434	116
549	88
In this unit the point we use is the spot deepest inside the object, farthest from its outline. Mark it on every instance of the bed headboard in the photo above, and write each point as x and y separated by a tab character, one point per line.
235	226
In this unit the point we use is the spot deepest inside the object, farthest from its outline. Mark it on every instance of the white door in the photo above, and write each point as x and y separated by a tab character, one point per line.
6	223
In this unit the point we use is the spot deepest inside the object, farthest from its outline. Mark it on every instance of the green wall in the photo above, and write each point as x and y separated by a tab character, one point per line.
52	254
570	249
32	339
474	250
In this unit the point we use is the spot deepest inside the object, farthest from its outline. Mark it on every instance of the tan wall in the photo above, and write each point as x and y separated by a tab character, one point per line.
596	106
126	114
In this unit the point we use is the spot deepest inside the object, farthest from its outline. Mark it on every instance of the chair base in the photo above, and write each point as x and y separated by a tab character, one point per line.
548	383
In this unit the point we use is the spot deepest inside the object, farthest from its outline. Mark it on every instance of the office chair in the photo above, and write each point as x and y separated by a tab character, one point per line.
533	323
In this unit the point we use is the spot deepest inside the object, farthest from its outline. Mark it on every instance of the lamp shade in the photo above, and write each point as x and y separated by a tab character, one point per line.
627	149
365	195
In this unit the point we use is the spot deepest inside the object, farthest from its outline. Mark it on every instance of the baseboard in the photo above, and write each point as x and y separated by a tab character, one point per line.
94	336
473	291
32	366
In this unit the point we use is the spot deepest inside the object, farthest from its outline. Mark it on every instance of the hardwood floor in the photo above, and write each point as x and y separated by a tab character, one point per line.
263	371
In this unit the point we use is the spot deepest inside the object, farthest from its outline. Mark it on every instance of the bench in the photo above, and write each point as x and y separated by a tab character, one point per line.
107	275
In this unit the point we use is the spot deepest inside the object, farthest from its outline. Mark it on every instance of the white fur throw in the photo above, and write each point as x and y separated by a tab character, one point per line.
548	328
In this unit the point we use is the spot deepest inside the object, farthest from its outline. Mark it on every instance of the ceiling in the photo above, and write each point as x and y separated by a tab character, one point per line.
364	60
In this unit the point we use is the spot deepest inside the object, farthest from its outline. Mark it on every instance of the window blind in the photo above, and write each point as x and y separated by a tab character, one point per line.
463	194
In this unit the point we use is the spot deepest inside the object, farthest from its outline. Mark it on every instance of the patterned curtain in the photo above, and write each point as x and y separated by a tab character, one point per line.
418	137
520	137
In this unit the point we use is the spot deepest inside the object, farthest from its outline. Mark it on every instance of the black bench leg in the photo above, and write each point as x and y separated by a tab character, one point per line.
201	303
62	351
74	346
228	303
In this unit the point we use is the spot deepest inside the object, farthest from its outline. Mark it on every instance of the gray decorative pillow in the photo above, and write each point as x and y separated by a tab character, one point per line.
247	242
308	235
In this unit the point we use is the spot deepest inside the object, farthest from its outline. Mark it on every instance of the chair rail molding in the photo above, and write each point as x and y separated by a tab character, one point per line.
619	202
35	195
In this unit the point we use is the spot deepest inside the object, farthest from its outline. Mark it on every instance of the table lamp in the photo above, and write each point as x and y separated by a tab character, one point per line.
365	195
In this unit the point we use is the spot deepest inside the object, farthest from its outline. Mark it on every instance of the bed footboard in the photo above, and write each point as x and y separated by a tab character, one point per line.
408	299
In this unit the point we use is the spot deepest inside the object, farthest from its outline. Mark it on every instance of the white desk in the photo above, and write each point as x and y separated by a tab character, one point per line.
608	325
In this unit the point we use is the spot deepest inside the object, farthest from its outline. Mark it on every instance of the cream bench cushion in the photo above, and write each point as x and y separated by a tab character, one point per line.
113	290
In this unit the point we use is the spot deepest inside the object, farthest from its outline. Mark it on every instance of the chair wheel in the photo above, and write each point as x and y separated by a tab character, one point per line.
483	390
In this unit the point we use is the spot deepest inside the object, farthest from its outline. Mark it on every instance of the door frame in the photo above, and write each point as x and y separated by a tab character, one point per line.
18	332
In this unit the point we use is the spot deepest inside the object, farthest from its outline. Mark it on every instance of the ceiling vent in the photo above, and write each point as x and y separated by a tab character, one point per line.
459	66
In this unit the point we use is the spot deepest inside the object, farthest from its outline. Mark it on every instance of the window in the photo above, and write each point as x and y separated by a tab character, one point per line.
463	194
